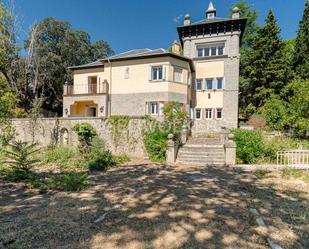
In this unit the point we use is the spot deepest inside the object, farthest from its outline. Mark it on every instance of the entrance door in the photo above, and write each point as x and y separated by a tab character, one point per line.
92	111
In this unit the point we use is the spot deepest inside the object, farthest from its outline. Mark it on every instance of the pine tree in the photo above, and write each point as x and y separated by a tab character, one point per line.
267	70
301	55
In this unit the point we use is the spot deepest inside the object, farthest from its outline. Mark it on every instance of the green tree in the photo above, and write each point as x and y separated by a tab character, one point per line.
266	70
55	46
301	55
275	112
246	50
299	105
8	48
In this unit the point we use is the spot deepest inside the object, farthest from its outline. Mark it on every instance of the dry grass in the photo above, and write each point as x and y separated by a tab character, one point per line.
143	206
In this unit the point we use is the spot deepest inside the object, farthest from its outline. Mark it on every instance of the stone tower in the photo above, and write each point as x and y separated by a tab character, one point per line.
213	45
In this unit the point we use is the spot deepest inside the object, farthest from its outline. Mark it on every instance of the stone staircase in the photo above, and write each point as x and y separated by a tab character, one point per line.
203	150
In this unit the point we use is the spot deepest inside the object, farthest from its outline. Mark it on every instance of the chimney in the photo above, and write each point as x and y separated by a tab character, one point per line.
211	11
176	49
235	13
187	21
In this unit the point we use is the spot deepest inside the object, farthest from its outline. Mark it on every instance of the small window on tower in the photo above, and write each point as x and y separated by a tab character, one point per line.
209	84
219	83
219	113
199	84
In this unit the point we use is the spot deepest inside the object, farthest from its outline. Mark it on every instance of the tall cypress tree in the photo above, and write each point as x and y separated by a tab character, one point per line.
301	55
267	69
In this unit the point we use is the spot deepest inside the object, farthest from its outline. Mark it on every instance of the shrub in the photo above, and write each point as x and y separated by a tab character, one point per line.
99	157
85	133
70	181
174	117
155	134
155	142
274	144
62	155
20	158
250	146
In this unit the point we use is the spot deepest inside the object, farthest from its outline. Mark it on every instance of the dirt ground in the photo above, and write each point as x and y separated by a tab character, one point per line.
149	206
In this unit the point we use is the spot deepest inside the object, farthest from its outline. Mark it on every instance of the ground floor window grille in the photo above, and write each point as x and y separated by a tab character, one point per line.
219	113
198	113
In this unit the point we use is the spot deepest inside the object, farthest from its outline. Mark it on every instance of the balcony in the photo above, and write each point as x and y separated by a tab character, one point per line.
85	89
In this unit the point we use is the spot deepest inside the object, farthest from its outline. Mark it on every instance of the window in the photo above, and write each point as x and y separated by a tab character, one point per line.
157	73
208	84
211	50
177	74
208	113
198	113
220	50
219	83
198	84
219	113
153	108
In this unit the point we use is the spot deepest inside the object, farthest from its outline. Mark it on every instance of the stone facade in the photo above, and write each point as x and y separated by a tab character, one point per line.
231	79
135	104
53	131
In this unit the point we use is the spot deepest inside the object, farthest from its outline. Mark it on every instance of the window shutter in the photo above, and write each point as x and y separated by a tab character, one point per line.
160	106
150	73
164	72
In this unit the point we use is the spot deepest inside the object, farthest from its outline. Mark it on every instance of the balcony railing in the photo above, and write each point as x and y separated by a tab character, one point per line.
86	89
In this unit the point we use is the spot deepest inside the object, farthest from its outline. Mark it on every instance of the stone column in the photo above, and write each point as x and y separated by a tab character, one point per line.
230	151
171	150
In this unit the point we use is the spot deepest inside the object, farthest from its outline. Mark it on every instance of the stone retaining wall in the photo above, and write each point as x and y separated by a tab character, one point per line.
52	131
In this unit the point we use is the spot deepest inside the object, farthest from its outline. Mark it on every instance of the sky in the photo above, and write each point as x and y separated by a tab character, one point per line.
131	24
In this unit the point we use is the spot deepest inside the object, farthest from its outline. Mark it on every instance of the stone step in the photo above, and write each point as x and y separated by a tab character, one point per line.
201	152
203	141
205	158
202	157
207	147
201	163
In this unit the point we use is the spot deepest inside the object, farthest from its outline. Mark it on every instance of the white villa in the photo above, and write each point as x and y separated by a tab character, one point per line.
201	72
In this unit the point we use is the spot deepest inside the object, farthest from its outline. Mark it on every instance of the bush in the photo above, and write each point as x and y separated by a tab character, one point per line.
250	146
20	158
155	142
99	157
274	144
85	133
67	182
62	155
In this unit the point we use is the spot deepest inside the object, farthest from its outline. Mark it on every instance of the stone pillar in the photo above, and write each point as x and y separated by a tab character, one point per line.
171	151
230	151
